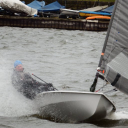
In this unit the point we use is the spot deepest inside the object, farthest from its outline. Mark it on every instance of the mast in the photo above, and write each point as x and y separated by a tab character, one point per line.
98	2
93	86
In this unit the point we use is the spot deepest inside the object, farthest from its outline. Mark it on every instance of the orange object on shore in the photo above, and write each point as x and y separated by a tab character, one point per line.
98	17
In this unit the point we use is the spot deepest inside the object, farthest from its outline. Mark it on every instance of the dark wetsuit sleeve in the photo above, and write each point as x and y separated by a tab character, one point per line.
23	82
29	86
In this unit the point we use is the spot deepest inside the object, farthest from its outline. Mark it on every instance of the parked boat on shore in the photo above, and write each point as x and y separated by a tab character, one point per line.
91	13
98	18
17	6
53	15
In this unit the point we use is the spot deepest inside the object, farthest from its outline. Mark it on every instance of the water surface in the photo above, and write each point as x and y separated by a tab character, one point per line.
68	59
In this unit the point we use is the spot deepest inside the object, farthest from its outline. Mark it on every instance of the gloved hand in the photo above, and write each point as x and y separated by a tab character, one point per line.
51	87
50	84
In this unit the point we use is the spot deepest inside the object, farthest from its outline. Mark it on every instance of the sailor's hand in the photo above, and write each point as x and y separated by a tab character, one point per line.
50	84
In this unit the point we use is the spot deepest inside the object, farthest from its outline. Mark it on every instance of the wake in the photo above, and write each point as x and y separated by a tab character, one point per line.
118	115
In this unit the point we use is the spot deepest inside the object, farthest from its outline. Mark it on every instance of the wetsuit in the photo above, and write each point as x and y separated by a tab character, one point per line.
29	87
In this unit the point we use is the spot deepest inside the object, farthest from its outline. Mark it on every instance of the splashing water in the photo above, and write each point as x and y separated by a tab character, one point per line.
12	103
118	115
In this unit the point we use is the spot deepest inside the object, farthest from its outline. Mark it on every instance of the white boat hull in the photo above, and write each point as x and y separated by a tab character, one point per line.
95	9
69	12
73	107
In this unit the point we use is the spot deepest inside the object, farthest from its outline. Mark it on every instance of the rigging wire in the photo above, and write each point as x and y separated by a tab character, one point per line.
113	90
104	85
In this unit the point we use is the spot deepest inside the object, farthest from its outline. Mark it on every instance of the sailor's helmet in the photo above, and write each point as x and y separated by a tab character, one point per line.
16	63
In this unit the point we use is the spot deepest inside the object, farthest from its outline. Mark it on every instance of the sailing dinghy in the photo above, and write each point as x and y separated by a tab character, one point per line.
113	65
73	106
69	106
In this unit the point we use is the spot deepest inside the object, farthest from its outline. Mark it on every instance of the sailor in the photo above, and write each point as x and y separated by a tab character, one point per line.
25	84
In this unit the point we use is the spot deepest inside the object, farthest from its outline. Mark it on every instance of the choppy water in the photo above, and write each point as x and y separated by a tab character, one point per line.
68	59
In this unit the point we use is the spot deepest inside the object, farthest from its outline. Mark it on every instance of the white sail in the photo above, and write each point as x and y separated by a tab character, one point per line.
114	59
17	6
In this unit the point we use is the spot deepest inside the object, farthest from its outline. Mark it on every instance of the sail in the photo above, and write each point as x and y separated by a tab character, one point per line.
17	6
114	58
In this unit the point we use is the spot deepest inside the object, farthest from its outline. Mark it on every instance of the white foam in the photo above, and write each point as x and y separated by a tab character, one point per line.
12	103
118	115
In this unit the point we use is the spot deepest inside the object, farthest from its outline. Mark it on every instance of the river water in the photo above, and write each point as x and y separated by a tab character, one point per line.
68	59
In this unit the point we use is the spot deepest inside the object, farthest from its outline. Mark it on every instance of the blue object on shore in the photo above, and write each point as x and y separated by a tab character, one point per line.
55	6
36	4
99	13
108	10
